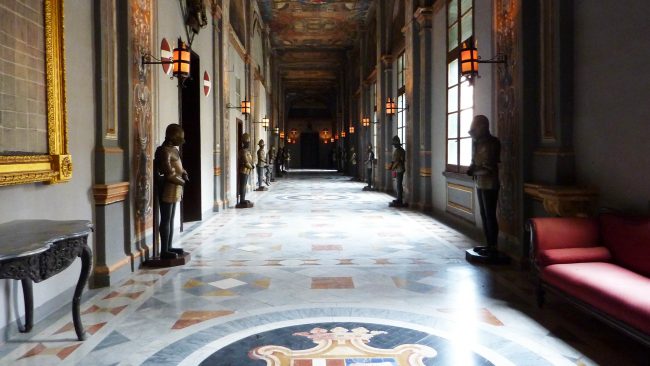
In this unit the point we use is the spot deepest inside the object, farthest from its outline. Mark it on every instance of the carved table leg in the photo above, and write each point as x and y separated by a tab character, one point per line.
83	279
28	295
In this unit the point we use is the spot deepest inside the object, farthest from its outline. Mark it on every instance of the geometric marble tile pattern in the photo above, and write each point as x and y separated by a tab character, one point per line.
318	253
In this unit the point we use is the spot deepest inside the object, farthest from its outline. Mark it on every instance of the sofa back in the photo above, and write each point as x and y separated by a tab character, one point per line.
564	232
628	239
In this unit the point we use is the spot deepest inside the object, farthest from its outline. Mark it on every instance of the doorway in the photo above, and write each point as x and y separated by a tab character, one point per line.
240	134
309	150
191	122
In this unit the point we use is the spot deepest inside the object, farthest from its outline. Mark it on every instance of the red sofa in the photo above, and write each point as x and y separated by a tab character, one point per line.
601	264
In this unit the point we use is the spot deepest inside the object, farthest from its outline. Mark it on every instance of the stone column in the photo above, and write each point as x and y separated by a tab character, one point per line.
363	98
424	17
412	116
111	186
385	155
217	95
384	61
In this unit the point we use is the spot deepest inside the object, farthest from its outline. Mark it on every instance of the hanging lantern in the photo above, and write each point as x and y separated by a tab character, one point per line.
343	133
245	106
282	135
351	129
469	60
391	108
181	61
365	121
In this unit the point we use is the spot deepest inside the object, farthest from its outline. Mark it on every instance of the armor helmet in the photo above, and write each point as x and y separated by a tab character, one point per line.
261	142
396	140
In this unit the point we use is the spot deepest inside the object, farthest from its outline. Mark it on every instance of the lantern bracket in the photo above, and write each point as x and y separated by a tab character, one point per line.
245	107
500	58
264	122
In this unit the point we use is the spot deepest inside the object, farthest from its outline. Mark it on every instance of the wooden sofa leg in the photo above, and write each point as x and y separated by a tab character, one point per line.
540	295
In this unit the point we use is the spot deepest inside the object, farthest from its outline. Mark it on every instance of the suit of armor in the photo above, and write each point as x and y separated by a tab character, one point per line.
486	151
245	168
398	166
369	162
170	179
261	163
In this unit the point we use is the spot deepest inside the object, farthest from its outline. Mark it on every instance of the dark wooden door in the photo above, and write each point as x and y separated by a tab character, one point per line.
309	150
191	121
240	134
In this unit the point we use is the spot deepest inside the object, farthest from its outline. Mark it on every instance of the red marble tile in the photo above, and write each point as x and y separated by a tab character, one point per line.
34	351
345	262
273	262
90	310
192	317
66	328
326	283
65	352
418	261
325	247
382	261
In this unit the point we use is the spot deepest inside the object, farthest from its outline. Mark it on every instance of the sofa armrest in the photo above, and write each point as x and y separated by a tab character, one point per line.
562	233
573	255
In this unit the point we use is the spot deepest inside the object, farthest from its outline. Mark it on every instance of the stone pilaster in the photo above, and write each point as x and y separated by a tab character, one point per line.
422	175
412	116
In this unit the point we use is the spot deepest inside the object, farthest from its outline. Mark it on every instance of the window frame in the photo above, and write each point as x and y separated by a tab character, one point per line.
401	98
454	55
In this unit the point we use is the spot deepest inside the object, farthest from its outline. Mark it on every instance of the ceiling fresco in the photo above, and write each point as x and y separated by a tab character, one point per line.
310	38
313	23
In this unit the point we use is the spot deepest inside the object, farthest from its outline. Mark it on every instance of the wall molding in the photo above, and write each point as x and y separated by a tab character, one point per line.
106	194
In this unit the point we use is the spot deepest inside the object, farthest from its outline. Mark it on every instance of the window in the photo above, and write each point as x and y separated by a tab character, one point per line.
373	103
401	100
460	93
237	90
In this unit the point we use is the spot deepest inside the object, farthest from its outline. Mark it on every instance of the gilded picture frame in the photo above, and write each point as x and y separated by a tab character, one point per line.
56	165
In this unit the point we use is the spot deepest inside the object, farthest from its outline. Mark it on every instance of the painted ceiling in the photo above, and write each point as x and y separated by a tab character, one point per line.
313	23
310	38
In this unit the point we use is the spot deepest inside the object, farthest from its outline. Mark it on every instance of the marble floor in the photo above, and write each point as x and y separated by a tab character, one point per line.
320	273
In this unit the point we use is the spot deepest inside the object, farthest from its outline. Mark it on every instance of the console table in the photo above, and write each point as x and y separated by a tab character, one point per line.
35	250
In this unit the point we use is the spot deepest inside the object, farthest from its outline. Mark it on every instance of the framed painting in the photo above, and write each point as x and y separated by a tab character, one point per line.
33	118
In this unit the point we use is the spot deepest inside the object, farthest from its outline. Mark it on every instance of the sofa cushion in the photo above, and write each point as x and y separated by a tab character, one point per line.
574	255
617	291
628	238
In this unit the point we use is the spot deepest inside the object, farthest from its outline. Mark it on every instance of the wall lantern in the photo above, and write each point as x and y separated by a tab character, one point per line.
276	130
282	135
244	107
391	108
264	122
325	134
343	134
332	139
469	60
351	129
365	121
180	60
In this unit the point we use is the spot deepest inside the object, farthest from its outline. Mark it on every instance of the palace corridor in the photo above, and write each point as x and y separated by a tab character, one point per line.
317	252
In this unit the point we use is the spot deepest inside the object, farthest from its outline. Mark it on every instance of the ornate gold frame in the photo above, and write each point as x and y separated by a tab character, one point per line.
56	166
